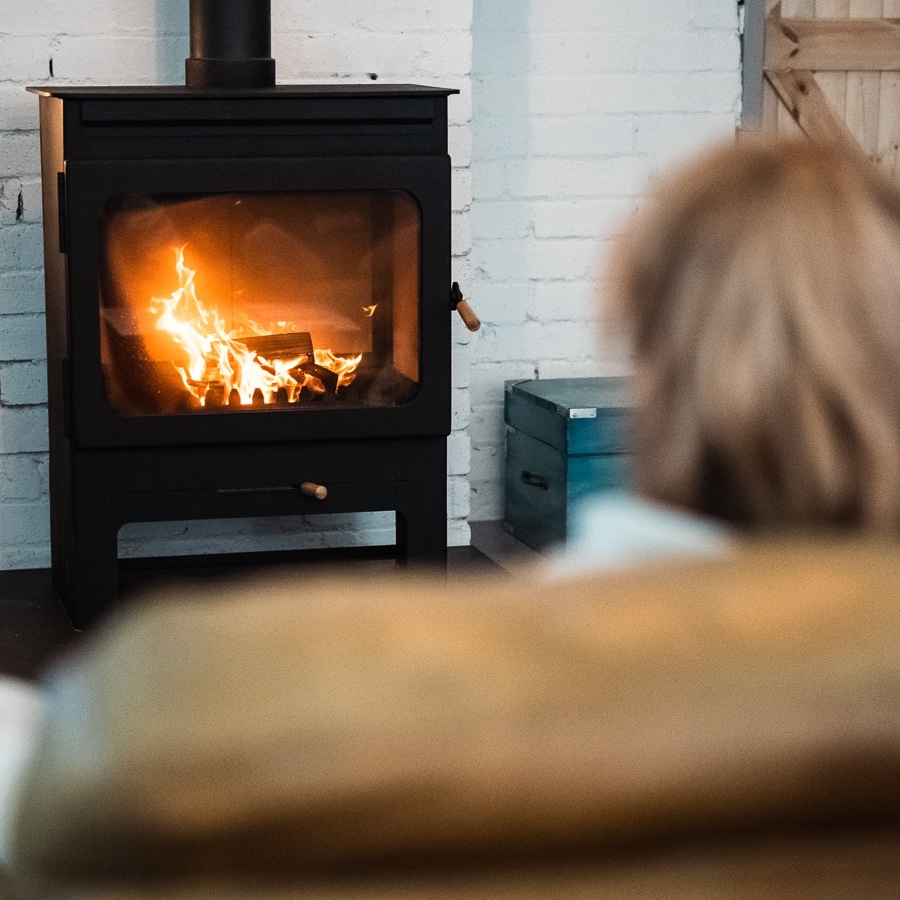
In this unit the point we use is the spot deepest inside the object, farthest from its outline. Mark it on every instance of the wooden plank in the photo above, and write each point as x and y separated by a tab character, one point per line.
807	104
834	84
864	88
795	9
834	45
771	103
798	9
888	150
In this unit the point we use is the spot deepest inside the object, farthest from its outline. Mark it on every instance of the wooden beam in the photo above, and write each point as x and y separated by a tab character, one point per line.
808	106
833	45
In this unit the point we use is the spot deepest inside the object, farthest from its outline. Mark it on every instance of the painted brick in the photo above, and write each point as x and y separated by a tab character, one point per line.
461	233
617	176
554	258
609	15
21	292
23	384
486	502
25	57
688	51
711	92
584	50
42	461
713	14
20	152
21	477
459	451
501	57
359	53
457	497
578	218
500	21
505	94
669	138
23	430
488	426
499	260
463	272
500	179
459	106
488	377
394	15
20	201
110	58
25	523
461	362
461	189
506	303
458	533
501	219
459	334
460	144
460	404
22	337
81	17
18	109
21	247
502	137
560	301
582	136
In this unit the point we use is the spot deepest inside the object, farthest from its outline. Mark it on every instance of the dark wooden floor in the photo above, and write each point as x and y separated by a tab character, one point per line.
34	626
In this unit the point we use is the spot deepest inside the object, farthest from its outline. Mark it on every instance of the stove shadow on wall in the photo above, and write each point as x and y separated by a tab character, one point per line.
248	306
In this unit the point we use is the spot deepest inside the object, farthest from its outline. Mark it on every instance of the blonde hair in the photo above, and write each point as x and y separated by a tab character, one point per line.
761	295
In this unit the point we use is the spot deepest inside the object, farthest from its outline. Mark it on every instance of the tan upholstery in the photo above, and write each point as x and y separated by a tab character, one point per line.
697	729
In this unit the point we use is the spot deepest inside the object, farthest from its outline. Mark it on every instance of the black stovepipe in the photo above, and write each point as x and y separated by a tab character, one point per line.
231	44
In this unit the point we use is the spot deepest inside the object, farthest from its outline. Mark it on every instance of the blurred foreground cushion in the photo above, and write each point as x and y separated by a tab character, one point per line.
340	732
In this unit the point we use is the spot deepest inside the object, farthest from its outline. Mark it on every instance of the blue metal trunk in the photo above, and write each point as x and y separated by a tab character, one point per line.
566	440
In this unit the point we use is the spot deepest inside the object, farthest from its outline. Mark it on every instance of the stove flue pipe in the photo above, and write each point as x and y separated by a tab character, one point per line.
231	44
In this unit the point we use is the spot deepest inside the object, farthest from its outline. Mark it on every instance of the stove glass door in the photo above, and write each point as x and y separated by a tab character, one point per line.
214	304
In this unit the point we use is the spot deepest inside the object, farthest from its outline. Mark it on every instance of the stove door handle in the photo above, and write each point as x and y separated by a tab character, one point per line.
461	305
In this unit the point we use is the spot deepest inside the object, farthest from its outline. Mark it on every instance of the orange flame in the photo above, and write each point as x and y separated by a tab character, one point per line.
370	310
217	356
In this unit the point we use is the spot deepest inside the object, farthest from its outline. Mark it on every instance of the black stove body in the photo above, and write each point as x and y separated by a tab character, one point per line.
247	291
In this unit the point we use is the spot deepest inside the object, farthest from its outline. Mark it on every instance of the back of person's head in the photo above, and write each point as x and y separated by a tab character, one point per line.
760	291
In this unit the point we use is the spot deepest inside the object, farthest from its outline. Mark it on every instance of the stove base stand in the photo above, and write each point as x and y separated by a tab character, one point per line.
95	496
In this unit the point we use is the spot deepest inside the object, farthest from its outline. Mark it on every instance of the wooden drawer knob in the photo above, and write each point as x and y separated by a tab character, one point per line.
316	491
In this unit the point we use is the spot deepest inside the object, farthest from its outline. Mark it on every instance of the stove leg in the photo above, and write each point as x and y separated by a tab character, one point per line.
422	521
421	539
90	579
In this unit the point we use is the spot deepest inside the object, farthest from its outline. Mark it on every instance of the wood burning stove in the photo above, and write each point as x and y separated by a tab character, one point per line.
247	292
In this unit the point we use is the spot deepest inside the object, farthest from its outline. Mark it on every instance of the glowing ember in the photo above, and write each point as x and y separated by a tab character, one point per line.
219	362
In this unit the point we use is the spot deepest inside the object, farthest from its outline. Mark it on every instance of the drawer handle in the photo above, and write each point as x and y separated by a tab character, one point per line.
316	491
537	481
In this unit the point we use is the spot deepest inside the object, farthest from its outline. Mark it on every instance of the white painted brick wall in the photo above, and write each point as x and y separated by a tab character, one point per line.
577	104
135	42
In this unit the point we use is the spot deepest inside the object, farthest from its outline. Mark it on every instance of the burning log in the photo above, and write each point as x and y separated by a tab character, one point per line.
280	346
328	379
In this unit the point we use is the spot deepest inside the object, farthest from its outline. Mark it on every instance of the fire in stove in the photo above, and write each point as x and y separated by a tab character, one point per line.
249	365
227	302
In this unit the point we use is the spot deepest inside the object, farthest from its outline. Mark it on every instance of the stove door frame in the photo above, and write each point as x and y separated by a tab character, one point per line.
89	184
